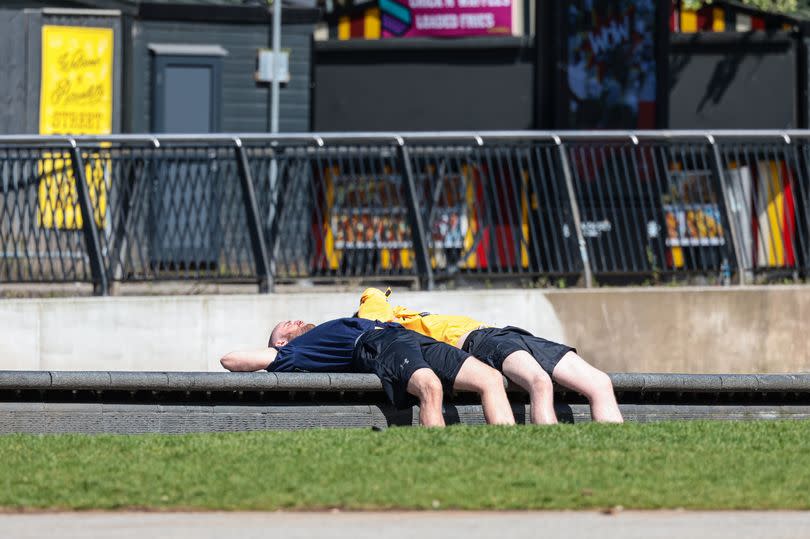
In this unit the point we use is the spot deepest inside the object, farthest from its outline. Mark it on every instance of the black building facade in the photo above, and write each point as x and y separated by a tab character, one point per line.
175	67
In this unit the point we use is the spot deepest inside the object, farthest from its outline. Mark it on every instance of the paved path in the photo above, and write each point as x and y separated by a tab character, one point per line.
398	525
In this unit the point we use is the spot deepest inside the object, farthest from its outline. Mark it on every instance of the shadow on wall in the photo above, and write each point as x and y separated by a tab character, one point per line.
724	72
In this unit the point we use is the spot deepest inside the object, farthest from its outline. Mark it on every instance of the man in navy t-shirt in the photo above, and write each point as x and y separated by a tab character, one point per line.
407	363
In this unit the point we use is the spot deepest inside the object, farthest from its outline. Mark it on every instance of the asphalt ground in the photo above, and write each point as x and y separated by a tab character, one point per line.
615	524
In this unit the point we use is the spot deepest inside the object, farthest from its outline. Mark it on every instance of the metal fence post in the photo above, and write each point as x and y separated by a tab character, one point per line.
572	199
717	165
420	247
101	285
257	240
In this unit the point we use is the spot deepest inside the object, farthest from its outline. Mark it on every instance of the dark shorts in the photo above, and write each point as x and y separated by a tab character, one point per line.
493	345
394	354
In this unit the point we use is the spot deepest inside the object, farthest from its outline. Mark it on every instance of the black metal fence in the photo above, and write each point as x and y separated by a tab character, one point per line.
433	207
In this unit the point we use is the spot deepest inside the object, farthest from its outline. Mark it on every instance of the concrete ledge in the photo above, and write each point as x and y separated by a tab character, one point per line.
89	418
336	382
711	330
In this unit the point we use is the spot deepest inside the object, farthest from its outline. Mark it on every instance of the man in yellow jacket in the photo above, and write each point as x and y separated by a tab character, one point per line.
529	361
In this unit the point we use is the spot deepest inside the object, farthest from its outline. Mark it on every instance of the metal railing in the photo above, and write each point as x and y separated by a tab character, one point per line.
581	206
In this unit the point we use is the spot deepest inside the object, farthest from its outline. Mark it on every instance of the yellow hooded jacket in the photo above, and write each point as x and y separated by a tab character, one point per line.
445	328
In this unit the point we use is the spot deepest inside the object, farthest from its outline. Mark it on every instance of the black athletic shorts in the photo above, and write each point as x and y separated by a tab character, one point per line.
493	345
394	354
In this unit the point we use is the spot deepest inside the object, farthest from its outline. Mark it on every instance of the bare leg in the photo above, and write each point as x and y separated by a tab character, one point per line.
575	373
523	369
426	386
487	382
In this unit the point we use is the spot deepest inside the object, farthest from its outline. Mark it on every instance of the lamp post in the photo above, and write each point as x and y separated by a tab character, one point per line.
276	84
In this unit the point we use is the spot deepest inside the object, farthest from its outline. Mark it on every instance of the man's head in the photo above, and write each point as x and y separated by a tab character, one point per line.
286	331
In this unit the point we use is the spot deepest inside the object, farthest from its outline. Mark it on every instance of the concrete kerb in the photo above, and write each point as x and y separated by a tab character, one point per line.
25	379
94	380
134	381
334	382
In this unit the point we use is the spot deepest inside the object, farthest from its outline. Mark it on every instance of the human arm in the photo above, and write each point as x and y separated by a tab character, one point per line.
248	360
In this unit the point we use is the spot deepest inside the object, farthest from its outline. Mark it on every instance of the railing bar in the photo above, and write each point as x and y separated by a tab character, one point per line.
505	206
802	201
516	172
467	183
778	191
418	232
308	137
661	157
541	239
615	247
744	161
93	245
585	185
394	193
572	198
759	205
694	252
365	255
533	234
321	205
494	212
623	181
733	230
637	160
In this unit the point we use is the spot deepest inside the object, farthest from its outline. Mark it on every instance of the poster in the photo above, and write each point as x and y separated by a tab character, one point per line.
609	61
693	225
370	213
692	214
446	18
76	98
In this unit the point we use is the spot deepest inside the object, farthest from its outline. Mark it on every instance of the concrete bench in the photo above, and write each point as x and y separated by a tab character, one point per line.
182	402
331	382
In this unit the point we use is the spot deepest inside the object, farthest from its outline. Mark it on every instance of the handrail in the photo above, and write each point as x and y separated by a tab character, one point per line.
393	136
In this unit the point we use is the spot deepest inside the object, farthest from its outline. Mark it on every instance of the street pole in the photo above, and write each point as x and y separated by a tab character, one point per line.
274	113
276	85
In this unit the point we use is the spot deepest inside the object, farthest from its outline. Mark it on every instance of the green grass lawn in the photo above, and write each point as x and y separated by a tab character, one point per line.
694	465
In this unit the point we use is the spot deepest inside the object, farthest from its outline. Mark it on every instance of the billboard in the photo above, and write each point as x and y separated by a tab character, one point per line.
609	60
446	18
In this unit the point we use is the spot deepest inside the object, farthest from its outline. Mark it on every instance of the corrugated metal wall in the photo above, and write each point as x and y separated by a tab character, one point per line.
13	67
21	65
245	103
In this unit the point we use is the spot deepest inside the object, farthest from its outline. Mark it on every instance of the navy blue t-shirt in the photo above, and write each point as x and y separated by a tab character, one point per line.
327	347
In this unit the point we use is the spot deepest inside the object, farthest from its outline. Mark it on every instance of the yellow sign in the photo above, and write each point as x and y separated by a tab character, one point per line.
77	81
77	99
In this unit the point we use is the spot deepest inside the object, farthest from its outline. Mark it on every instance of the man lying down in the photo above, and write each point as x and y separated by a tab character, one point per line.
411	366
530	361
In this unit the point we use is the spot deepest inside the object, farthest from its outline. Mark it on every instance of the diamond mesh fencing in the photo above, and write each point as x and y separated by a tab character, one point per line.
40	220
174	212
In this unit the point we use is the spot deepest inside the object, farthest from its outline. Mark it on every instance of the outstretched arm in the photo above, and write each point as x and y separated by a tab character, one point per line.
248	360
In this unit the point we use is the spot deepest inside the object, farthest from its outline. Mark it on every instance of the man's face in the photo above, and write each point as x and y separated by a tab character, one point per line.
288	330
